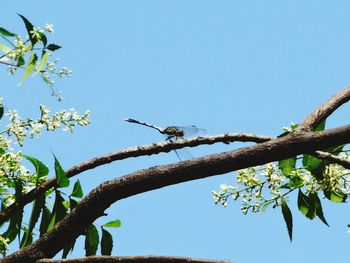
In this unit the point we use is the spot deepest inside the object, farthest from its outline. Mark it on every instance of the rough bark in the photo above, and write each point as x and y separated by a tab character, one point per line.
97	201
302	140
149	149
136	259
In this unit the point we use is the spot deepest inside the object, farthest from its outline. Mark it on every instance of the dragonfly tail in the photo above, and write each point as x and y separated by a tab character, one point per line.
144	124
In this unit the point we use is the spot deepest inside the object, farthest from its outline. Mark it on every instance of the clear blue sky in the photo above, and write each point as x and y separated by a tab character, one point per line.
227	66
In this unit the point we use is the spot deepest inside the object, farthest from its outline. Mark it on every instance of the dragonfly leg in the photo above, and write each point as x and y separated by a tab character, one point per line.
170	137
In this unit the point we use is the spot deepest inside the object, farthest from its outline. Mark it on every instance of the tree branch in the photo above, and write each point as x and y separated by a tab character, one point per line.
321	113
97	201
149	149
332	158
135	259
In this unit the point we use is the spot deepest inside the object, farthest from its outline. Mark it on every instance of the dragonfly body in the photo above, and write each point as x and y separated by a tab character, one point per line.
171	132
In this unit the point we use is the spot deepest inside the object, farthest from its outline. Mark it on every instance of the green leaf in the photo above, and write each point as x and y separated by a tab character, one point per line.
307	205
26	239
115	223
43	38
72	204
5	49
77	190
53	47
61	176
43	62
66	203
314	165
45	220
14	226
336	150
266	205
311	162
311	213
303	203
287	165
287	215
335	196
58	212
320	126
29	27
30	67
6	33
106	243
319	211
41	169
294	182
20	61
2	151
69	248
91	241
1	111
18	196
38	205
283	134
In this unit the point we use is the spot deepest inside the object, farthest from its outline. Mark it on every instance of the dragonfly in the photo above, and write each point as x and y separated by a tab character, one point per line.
172	133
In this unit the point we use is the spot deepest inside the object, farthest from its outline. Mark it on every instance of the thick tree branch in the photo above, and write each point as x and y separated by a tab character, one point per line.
321	113
135	259
97	201
332	158
149	149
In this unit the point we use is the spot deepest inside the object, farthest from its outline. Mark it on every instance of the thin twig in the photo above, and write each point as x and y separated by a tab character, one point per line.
332	158
322	112
149	149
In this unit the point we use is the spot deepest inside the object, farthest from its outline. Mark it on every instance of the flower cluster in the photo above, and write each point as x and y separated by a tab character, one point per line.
265	185
26	55
38	32
12	171
20	127
336	178
51	72
253	179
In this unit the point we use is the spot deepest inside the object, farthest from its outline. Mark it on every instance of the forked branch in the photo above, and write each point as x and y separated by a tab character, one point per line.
149	149
301	141
97	201
325	110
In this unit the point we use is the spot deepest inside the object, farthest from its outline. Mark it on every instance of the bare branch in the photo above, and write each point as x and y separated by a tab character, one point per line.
332	158
97	201
321	113
134	259
149	149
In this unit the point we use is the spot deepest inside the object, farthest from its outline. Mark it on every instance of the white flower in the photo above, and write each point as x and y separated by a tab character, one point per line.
36	127
223	187
49	28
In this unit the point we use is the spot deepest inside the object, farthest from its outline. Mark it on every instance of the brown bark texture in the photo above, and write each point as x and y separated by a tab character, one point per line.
135	259
268	149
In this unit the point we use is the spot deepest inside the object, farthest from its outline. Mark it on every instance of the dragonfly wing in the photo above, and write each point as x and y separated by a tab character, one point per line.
183	154
191	130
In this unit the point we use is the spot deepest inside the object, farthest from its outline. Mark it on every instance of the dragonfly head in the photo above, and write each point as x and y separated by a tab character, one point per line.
173	131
